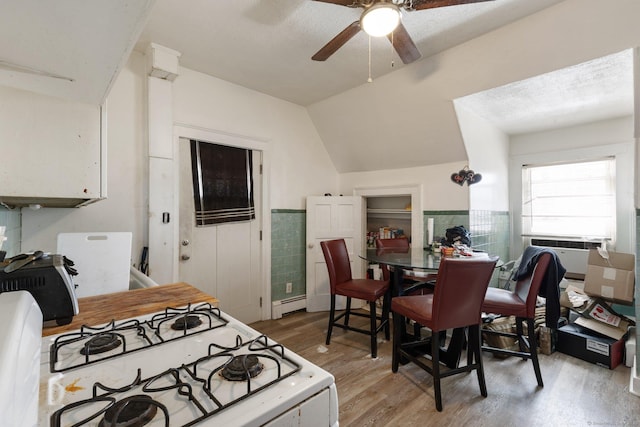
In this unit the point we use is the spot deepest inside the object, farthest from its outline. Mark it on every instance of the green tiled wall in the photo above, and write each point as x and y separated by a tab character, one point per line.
11	219
288	236
489	232
443	220
489	229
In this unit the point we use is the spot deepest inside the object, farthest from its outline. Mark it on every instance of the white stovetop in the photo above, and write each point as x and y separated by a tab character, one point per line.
22	347
60	388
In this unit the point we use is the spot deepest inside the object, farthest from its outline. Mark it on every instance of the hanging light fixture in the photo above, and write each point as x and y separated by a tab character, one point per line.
380	19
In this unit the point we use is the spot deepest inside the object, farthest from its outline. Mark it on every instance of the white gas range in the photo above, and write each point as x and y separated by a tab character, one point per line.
192	365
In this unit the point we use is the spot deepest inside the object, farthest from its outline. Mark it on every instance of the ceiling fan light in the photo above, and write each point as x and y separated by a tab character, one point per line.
380	19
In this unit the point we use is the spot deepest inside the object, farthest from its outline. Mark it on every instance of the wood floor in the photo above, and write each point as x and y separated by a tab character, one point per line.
576	393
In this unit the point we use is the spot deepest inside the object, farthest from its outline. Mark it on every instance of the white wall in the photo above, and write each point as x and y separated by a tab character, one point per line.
589	135
488	151
439	193
300	165
599	139
414	103
125	209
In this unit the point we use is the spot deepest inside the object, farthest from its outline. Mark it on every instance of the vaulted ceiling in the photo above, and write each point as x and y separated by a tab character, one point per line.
267	45
528	51
523	65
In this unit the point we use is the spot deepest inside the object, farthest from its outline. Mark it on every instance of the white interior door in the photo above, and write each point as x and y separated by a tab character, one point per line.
331	218
222	260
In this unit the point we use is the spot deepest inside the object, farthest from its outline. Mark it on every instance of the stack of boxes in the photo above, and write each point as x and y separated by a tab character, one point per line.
596	332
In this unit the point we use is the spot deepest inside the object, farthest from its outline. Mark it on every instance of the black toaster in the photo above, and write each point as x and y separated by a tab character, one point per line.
48	280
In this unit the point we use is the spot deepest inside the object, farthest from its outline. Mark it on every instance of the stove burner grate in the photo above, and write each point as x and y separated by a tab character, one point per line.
132	411
241	368
101	343
195	391
132	335
186	322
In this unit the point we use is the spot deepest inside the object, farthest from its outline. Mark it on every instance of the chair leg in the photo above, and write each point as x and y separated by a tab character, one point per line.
347	312
332	315
416	331
372	319
475	345
435	361
470	347
386	309
520	332
533	348
398	325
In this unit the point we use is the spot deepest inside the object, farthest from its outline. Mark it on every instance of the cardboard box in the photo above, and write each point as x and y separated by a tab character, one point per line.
595	313
612	279
590	346
615	332
547	340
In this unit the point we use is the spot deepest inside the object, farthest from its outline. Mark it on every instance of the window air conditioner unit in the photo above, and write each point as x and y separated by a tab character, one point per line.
573	254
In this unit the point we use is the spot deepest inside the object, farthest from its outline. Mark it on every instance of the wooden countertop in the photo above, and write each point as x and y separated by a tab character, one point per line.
102	309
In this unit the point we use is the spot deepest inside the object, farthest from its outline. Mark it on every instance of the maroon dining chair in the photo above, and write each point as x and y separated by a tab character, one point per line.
520	303
342	283
456	303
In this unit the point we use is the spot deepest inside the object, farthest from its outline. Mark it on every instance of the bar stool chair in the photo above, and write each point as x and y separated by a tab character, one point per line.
455	303
521	303
342	283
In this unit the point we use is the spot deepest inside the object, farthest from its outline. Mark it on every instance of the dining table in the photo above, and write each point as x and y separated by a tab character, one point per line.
420	260
401	259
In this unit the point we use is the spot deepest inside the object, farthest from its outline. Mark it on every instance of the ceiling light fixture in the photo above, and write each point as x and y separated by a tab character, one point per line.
380	19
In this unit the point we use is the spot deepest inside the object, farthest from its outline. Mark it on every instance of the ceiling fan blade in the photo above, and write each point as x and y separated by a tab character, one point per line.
348	3
432	4
337	42
402	43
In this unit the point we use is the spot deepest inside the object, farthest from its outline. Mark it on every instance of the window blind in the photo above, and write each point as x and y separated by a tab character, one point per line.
222	183
570	200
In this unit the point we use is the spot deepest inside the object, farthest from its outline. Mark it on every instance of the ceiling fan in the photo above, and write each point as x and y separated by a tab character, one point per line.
383	13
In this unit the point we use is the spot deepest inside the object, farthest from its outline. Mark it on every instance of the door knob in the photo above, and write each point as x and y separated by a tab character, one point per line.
310	245
185	242
185	257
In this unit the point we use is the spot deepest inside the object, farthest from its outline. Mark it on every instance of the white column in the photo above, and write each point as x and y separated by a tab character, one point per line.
162	70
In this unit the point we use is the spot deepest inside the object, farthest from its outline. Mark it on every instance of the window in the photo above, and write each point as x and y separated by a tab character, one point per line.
222	183
570	200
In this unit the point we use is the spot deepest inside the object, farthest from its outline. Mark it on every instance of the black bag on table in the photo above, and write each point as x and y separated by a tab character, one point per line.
457	235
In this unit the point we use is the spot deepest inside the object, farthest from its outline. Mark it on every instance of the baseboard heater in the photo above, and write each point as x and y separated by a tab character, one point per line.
573	254
288	305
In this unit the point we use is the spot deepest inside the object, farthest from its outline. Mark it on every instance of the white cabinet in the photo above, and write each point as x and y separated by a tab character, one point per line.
51	150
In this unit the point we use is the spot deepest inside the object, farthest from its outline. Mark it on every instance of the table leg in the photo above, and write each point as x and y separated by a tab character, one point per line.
449	355
396	282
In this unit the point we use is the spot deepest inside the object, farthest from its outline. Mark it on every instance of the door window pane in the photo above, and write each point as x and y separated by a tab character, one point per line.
222	183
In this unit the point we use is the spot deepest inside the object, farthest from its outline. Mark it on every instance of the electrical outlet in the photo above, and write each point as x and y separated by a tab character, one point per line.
289	288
